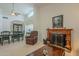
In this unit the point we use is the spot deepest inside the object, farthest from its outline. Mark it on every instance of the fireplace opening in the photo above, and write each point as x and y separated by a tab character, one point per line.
58	39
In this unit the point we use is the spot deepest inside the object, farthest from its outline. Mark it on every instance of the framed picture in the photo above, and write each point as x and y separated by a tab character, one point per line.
57	21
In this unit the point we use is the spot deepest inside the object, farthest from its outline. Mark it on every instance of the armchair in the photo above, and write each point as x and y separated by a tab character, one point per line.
32	39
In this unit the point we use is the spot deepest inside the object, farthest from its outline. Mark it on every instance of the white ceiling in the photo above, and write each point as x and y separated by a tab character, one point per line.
22	8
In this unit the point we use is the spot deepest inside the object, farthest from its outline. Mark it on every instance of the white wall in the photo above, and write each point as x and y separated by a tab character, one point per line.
34	20
6	23
0	20
71	20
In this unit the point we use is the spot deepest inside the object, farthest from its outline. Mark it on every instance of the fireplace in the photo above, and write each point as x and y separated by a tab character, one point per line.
60	37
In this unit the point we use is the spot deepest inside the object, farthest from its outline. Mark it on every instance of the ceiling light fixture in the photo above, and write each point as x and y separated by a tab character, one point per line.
13	13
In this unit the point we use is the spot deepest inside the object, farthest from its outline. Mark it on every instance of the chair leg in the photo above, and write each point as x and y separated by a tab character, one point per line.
9	41
22	38
2	42
18	39
13	40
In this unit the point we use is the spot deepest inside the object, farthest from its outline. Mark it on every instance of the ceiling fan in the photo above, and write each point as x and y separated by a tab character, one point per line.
13	12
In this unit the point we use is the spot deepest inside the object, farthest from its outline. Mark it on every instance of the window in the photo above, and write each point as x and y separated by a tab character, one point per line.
29	28
31	14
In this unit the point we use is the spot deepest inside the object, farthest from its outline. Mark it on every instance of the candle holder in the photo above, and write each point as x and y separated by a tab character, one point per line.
45	52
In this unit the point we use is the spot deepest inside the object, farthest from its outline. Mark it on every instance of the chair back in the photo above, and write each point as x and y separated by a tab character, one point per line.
5	33
34	33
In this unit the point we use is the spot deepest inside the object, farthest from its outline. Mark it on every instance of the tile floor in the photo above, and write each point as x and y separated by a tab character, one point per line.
18	48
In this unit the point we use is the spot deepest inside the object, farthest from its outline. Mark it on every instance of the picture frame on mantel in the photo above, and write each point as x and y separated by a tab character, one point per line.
57	21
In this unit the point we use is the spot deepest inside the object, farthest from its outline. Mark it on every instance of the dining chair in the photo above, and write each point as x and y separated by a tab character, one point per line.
5	35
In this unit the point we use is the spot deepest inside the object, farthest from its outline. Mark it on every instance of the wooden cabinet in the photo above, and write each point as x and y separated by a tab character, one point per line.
17	27
62	30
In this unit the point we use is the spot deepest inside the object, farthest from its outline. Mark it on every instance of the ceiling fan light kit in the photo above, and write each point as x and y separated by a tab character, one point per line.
13	13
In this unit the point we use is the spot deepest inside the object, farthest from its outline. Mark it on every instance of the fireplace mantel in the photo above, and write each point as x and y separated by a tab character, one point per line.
61	30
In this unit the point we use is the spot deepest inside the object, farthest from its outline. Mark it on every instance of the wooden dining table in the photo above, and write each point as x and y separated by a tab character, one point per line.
11	35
